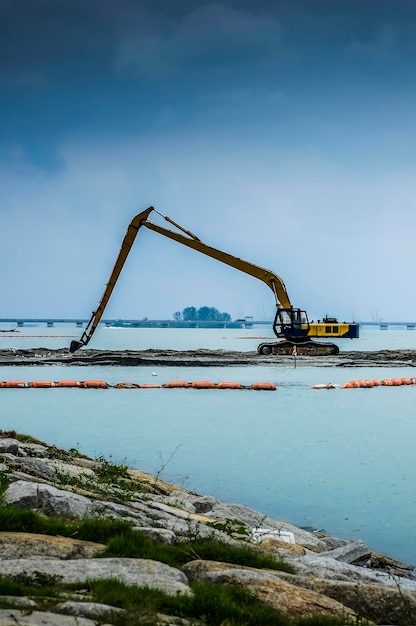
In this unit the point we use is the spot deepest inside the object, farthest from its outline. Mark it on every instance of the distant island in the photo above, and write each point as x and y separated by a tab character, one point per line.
203	314
189	317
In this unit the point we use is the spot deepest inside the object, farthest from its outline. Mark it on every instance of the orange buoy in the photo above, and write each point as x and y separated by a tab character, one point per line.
397	381
229	385
348	385
150	386
16	383
176	384
406	381
387	382
2	384
203	384
43	383
68	383
94	384
127	386
263	386
376	383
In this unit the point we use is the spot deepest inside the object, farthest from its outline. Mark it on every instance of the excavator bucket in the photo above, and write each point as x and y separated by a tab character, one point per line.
75	345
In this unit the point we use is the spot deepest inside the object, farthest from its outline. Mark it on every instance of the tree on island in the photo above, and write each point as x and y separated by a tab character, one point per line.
203	314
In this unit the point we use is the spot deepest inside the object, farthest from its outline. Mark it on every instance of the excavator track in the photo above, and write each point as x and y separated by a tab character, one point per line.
308	348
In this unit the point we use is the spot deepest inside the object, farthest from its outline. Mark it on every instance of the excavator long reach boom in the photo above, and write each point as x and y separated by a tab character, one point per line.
290	323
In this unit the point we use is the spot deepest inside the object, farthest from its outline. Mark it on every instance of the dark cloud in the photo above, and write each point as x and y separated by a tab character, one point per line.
274	129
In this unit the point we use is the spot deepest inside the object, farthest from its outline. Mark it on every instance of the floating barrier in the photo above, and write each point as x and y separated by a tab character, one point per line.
127	386
203	384
229	385
263	386
16	383
368	383
94	384
43	383
102	384
176	384
68	383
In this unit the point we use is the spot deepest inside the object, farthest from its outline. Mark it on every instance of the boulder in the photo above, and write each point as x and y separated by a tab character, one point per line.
269	588
140	572
46	498
35	468
373	602
21	545
356	552
8	445
14	617
317	566
93	610
160	535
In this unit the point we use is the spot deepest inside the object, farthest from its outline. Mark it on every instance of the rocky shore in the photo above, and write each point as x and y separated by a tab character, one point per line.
201	358
333	577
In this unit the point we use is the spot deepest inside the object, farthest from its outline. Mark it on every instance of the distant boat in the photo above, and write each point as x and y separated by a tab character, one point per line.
9	330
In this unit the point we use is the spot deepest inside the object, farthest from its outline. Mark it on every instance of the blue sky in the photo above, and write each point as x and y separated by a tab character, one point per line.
281	132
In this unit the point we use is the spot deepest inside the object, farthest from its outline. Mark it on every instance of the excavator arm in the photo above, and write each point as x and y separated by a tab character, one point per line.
187	238
289	323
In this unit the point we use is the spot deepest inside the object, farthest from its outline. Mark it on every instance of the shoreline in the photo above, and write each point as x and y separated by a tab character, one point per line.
200	358
329	576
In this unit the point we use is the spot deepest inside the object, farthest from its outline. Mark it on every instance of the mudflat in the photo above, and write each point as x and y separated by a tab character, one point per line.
202	358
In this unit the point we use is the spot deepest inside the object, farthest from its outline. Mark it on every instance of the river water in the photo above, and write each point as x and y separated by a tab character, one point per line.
338	459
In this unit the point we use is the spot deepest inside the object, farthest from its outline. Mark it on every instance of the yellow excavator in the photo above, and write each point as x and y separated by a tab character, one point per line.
290	324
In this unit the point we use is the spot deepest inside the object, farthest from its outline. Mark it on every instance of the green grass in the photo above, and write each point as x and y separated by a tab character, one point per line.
209	604
13	519
122	541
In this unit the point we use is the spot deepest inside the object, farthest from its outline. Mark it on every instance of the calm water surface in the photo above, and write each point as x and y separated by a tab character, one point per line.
342	460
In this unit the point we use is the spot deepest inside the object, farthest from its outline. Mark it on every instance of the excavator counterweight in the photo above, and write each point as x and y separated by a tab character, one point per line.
290	323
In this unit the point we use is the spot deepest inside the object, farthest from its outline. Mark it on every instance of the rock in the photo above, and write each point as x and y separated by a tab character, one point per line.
269	588
205	504
327	568
19	601
10	446
34	449
34	467
160	535
327	580
20	545
373	602
140	572
14	617
46	498
93	610
68	469
394	567
353	552
255	520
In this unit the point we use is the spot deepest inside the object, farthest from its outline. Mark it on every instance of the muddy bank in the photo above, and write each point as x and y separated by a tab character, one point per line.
201	358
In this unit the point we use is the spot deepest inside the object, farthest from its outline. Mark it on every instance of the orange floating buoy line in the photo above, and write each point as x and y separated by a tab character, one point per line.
102	384
366	383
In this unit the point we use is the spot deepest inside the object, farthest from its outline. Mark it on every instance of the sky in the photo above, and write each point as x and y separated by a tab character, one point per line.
281	132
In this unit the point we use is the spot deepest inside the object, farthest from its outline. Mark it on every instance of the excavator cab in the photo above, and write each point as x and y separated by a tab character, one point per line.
291	323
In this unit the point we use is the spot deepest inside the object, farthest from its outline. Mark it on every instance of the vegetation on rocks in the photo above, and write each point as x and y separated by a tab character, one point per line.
106	544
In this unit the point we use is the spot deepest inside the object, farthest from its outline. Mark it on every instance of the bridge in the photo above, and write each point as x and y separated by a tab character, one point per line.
246	322
125	323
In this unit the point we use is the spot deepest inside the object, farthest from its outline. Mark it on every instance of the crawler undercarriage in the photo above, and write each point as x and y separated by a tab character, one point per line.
310	348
